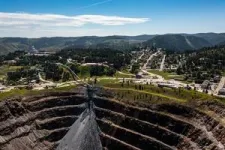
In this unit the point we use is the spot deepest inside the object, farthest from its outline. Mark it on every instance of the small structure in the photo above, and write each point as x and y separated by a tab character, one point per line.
205	84
9	62
167	85
222	91
2	87
33	50
139	75
216	79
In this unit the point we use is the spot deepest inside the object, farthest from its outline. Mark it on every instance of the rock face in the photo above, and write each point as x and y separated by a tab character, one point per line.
63	121
83	134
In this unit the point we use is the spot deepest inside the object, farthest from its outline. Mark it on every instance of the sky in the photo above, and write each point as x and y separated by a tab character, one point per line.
48	18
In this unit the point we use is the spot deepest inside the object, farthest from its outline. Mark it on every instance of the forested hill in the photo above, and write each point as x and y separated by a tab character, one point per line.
222	43
205	63
169	41
178	42
57	43
213	38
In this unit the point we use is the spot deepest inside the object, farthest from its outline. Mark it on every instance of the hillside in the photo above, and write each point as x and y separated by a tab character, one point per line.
57	43
177	42
222	43
204	64
213	38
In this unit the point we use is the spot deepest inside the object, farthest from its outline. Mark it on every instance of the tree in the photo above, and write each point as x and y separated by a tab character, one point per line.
122	84
75	68
140	87
179	70
66	76
95	82
135	68
128	83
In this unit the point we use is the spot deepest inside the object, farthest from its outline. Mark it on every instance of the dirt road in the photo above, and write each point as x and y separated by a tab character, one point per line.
220	86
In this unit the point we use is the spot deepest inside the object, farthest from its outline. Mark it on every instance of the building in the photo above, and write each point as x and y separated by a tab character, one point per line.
139	75
222	91
10	62
205	84
168	85
216	79
41	53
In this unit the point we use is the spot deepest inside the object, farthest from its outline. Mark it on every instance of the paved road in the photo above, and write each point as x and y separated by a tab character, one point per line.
220	86
94	64
152	74
43	80
150	58
137	60
140	57
162	63
143	69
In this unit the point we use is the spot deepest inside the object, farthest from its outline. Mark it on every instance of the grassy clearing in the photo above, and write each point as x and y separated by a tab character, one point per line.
119	75
129	92
24	92
125	71
84	72
6	68
103	81
167	75
132	95
179	95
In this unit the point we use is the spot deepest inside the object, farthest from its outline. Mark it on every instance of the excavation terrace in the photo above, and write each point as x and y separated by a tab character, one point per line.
70	120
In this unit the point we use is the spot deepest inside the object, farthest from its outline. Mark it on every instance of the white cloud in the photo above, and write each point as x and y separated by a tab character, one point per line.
55	20
39	25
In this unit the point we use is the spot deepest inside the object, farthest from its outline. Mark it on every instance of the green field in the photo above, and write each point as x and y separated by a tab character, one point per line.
6	68
24	92
129	92
126	75
167	75
179	95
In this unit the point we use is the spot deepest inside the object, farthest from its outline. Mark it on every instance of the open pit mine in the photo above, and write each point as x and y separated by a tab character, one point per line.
80	121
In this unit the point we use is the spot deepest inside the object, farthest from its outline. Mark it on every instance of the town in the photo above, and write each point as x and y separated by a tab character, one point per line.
144	66
112	75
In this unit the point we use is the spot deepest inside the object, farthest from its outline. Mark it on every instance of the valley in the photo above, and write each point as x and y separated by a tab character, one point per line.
112	75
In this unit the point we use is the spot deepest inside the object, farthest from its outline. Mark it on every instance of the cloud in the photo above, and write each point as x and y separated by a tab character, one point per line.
49	32
56	20
95	4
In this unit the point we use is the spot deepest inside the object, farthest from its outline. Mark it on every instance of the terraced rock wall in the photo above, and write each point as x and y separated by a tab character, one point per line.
42	122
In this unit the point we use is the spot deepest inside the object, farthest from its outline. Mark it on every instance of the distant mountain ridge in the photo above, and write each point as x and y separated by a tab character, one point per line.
178	42
57	43
168	41
222	43
213	38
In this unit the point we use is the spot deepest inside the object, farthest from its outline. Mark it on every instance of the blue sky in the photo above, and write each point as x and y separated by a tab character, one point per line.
38	18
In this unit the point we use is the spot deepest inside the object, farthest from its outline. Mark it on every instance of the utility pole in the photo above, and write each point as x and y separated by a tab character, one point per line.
90	93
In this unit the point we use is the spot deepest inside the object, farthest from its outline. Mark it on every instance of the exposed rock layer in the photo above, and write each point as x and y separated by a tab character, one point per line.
42	122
